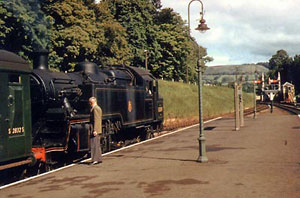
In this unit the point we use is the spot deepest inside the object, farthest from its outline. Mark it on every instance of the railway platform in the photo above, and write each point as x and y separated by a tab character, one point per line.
261	160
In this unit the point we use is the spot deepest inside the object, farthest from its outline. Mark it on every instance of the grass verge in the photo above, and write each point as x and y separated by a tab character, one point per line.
181	104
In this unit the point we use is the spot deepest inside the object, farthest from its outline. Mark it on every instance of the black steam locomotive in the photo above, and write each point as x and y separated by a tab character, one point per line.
128	96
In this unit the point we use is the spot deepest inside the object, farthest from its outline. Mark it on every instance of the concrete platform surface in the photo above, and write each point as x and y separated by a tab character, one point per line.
261	160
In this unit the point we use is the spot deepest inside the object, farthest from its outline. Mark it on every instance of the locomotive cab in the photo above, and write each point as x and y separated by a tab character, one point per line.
151	89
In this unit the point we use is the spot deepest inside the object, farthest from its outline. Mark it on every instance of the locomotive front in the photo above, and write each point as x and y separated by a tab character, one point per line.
59	130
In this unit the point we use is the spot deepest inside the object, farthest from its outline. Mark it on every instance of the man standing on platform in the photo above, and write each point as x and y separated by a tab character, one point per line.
95	131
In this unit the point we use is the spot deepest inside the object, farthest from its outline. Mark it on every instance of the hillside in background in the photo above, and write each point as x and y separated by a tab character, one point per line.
181	102
226	74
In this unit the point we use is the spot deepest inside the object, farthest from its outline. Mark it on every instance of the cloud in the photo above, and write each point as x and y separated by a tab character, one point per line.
244	31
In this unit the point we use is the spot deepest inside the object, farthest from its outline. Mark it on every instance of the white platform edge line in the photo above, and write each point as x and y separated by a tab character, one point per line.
127	147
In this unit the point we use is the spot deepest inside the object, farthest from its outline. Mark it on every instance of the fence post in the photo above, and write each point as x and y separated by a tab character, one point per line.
241	105
236	107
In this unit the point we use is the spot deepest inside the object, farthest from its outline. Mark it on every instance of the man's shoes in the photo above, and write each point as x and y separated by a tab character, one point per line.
96	162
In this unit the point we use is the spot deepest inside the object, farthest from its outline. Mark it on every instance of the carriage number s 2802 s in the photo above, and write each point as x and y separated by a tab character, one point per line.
17	130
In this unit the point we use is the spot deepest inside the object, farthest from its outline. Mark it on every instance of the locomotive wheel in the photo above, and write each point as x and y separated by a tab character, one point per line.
43	168
147	133
48	167
108	130
106	143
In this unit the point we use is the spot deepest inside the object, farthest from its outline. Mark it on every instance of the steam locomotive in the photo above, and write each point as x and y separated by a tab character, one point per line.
44	115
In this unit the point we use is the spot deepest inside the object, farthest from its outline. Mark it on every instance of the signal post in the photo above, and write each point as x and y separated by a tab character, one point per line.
238	106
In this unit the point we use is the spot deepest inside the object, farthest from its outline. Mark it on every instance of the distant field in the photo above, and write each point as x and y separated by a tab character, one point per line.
181	101
227	73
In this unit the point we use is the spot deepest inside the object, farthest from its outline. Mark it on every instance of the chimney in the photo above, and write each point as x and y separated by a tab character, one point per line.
40	59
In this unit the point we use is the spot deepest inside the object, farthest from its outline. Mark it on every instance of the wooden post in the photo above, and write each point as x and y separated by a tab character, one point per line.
236	107
241	105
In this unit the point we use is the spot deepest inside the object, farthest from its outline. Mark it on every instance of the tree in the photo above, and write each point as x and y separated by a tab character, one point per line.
84	31
113	48
280	62
156	3
174	45
162	33
295	72
23	26
73	30
136	16
111	32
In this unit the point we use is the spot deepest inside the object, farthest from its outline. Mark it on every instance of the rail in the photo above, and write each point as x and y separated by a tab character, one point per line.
259	107
295	109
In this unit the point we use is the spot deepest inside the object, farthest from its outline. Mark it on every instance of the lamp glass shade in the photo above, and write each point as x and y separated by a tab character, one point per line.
202	27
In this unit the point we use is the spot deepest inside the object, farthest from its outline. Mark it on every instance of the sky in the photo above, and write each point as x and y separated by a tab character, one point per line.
243	31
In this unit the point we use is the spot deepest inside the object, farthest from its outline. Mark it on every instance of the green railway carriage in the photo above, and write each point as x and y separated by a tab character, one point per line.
15	111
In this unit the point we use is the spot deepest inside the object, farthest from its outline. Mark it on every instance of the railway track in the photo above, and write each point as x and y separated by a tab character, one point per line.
259	107
295	109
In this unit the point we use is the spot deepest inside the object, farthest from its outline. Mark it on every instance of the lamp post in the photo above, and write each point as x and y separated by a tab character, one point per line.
201	27
146	59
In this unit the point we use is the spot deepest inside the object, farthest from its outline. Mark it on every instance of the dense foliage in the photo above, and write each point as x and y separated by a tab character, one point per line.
289	68
23	27
111	32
